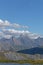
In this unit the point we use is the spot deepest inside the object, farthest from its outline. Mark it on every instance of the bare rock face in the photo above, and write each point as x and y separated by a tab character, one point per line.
9	47
20	43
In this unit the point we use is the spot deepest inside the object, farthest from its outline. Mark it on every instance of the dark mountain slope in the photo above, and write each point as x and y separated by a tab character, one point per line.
36	50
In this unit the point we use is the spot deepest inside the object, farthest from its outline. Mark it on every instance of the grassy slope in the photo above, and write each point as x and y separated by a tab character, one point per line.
23	61
3	59
29	61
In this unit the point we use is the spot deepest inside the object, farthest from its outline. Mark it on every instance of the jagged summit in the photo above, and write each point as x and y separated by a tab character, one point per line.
22	41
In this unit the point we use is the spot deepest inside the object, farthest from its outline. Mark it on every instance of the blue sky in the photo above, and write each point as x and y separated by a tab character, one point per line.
24	12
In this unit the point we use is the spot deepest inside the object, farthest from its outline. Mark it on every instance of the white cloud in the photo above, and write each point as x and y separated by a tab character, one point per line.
4	24
7	36
1	21
7	23
8	29
13	31
34	35
16	25
19	32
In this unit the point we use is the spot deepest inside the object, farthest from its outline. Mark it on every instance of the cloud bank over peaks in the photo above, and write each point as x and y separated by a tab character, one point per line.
8	29
16	33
